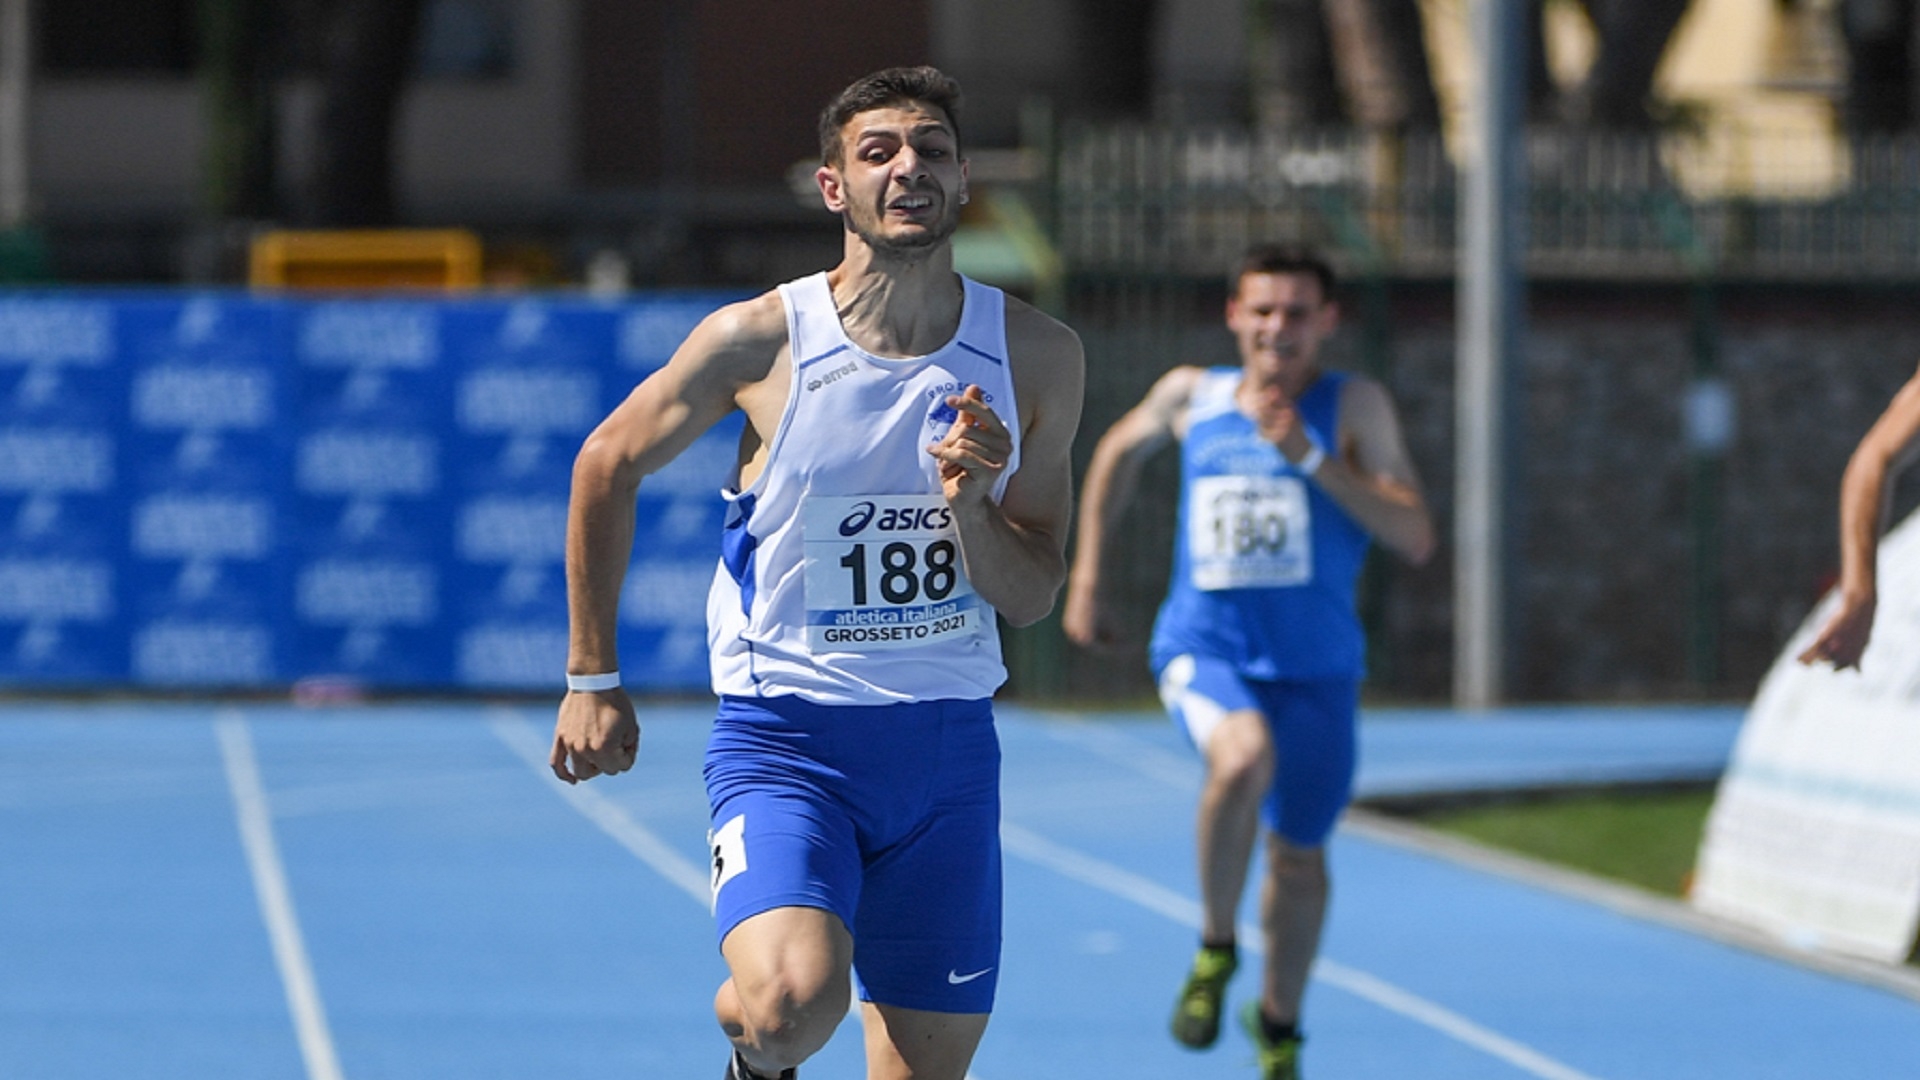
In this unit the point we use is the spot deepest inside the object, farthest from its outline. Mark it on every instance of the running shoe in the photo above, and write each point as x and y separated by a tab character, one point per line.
1278	1060
1196	1017
737	1070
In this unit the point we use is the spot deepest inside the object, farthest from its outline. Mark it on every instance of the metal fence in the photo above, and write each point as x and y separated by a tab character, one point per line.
1705	238
1621	206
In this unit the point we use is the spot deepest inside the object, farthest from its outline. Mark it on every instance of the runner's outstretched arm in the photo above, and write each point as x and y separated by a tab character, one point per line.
1886	447
597	732
1113	476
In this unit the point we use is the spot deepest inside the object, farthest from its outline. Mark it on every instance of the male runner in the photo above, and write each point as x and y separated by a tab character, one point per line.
1287	470
904	474
1888	446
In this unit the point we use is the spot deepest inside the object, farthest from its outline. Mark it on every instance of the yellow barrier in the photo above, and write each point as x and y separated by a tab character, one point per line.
366	259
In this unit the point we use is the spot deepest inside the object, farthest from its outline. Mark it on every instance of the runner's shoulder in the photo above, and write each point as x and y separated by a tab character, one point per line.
742	339
1031	331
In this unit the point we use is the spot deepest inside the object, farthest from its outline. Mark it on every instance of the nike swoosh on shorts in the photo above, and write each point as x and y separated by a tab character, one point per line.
955	978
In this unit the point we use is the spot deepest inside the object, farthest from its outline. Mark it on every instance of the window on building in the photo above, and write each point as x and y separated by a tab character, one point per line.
459	39
466	39
115	37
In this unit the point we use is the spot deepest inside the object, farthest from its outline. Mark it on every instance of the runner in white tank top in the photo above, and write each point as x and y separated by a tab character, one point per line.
840	579
904	475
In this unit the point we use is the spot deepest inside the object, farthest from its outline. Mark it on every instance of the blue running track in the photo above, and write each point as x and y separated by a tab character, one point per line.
199	891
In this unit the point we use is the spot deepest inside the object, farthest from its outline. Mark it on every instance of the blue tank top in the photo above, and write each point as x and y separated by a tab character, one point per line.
1265	565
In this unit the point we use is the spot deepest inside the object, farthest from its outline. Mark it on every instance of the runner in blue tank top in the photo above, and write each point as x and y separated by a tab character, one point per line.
1286	473
904	478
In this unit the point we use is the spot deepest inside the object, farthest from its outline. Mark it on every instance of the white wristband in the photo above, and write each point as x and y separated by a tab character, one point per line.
1311	463
591	683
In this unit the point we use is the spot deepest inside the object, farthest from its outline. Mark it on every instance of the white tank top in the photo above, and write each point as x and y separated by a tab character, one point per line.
840	577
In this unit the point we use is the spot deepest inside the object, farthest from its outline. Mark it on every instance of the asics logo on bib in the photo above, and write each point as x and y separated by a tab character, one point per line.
895	519
853	523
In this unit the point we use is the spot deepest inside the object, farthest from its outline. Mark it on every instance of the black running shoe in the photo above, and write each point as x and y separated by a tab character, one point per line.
737	1070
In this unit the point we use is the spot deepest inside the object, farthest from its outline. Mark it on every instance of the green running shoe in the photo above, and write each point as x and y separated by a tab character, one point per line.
1278	1060
1196	1017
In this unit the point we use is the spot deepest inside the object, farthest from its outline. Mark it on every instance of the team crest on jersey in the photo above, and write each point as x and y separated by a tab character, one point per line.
942	415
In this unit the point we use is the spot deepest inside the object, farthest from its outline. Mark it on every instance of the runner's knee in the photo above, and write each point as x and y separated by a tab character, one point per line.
1296	866
1240	753
785	1018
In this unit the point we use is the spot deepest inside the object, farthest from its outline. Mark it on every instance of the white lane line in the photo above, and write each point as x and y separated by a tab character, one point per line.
1161	900
642	842
1625	899
1445	1021
1102	875
255	819
531	747
1179	769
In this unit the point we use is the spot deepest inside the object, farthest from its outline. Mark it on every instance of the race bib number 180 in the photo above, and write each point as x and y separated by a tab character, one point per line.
1246	532
883	572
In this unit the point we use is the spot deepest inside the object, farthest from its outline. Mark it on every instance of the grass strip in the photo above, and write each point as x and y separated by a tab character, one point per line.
1647	839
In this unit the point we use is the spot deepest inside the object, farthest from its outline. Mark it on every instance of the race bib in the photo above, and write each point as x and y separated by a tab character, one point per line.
1247	532
883	572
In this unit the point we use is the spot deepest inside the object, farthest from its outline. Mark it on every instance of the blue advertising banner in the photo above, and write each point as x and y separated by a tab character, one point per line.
227	491
533	383
370	512
63	504
204	461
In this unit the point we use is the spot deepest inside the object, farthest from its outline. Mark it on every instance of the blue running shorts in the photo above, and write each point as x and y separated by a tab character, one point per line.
887	816
1312	722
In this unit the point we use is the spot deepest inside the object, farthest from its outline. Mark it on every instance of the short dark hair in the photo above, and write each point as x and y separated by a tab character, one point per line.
892	86
1283	259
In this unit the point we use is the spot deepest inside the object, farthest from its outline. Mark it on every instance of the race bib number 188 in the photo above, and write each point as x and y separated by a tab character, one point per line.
883	572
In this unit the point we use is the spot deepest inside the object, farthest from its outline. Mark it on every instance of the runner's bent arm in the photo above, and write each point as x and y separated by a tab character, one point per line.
1014	551
1863	497
1107	490
596	732
1372	475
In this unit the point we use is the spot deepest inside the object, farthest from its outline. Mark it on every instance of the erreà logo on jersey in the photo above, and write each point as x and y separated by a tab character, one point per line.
833	376
895	519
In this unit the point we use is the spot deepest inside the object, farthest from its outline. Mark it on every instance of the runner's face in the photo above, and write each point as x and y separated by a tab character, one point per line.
901	180
1279	321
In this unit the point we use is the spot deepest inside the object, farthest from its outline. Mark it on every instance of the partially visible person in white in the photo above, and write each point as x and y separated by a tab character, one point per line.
1888	446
